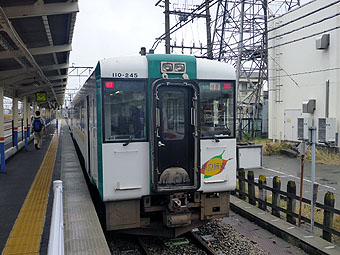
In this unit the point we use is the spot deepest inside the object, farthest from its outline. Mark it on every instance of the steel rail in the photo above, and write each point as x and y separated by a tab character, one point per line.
199	242
142	246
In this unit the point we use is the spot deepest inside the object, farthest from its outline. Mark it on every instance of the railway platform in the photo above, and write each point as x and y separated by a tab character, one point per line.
26	199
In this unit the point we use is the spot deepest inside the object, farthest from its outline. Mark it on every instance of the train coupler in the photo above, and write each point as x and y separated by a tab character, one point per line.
176	219
178	203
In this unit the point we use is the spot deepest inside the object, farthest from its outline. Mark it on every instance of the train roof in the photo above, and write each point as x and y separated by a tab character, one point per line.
205	68
212	69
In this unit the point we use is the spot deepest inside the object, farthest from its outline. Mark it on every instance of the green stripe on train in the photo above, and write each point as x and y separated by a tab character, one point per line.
99	131
154	72
154	65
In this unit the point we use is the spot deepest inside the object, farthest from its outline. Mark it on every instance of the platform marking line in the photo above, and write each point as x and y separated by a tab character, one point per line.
26	233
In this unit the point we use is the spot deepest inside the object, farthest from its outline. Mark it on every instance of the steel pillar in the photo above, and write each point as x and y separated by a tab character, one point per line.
25	120
56	118
28	119
2	132
15	120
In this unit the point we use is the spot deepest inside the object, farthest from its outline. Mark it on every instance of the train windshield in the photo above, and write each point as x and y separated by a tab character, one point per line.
217	109
124	110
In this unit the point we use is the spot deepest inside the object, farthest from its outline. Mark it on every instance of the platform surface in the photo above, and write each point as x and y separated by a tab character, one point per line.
21	170
26	199
83	233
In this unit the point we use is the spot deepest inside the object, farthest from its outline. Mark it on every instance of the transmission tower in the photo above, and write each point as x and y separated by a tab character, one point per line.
240	38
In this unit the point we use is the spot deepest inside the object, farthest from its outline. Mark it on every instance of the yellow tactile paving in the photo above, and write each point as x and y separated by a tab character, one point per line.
23	240
26	233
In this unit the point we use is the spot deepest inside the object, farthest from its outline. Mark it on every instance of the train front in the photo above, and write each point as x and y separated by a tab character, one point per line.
177	146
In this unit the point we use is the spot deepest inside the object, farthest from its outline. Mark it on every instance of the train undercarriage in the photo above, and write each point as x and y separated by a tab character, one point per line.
166	215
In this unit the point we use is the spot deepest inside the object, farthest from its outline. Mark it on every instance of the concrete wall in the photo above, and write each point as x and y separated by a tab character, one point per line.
297	70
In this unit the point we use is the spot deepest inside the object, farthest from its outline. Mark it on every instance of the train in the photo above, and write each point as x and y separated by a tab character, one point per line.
157	135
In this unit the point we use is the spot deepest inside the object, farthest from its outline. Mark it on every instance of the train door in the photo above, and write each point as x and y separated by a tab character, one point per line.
176	145
93	140
88	134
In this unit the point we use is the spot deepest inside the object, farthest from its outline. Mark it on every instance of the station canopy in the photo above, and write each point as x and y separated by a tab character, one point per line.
35	43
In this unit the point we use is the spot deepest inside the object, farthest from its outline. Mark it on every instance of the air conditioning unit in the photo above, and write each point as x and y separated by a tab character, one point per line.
303	128
326	130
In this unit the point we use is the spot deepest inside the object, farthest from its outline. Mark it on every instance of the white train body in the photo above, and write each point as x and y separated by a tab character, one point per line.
157	135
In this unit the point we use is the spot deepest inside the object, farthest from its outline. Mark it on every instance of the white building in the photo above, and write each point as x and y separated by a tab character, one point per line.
304	64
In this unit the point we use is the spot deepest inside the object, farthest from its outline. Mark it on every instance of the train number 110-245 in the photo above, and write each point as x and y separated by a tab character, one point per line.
125	75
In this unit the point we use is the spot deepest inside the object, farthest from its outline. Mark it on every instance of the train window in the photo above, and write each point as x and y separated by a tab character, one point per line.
173	115
217	109
76	115
125	111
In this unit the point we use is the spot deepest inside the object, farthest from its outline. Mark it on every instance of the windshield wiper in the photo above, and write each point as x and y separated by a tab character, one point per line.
216	139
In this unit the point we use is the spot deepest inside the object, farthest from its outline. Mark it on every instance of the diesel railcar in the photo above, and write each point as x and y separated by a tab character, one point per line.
157	136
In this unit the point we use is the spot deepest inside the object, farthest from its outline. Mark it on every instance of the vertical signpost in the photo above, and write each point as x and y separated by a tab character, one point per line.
301	180
314	187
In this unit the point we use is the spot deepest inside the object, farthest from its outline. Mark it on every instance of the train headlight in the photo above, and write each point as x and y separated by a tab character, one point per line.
173	67
179	67
167	67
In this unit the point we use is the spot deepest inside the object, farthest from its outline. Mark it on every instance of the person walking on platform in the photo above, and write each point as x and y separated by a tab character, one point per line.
38	125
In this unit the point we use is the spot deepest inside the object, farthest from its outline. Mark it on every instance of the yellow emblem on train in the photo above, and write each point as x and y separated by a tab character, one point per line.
214	166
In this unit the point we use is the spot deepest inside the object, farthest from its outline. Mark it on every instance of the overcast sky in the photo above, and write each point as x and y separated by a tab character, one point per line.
107	28
111	28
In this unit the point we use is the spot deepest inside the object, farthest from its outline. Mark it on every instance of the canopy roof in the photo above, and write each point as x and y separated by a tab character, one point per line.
35	43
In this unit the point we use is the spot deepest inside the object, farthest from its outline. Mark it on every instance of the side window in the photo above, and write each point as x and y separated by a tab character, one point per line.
82	118
124	110
76	115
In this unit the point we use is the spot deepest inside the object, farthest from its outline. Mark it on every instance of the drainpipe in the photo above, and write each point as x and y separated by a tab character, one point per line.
327	99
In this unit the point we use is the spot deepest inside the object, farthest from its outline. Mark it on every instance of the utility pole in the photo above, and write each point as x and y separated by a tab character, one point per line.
238	65
185	15
167	27
208	21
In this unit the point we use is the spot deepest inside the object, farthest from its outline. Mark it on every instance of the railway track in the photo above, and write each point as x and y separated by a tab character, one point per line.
214	238
200	242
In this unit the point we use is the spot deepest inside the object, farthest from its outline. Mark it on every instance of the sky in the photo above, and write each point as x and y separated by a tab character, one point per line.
111	28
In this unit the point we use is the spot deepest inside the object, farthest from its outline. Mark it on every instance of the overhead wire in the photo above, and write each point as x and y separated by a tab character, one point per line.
304	73
295	30
304	37
254	36
305	26
287	74
304	16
